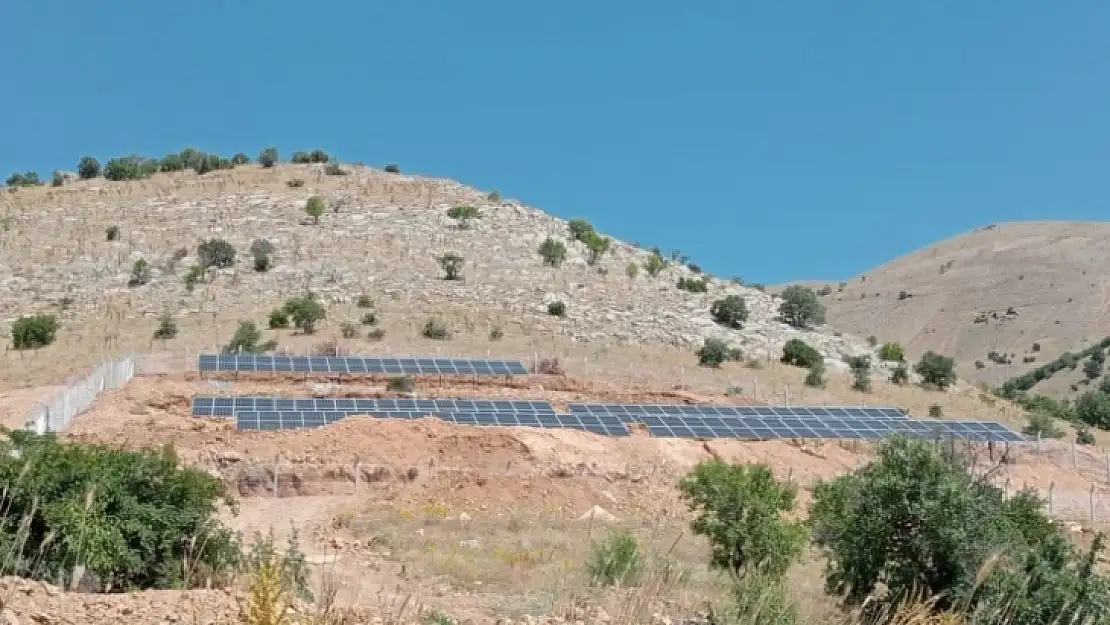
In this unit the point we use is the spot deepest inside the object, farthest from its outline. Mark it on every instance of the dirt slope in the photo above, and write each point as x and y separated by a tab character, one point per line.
1000	288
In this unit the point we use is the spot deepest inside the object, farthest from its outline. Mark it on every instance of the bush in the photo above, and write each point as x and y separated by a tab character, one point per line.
34	331
632	270
580	229
268	157
760	599
861	372
435	329
740	509
294	183
57	179
892	352
134	518
131	167
315	207
916	520
279	319
88	168
240	159
554	252
801	308
936	370
369	318
731	312
655	264
464	214
261	249
348	330
494	196
596	247
615	561
1092	368
376	334
1084	436
550	366
452	265
1093	408
112	233
496	333
364	301
797	353
28	179
900	375
816	376
1043	425
392	168
246	340
334	169
167	328
305	312
300	158
873	341
557	309
935	411
140	273
194	275
401	384
215	253
693	285
712	353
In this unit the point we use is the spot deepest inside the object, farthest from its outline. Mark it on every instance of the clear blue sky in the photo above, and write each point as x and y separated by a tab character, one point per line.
772	140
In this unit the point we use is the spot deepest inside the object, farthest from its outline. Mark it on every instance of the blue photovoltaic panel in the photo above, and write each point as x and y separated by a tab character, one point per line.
770	428
229	406
629	412
265	363
293	419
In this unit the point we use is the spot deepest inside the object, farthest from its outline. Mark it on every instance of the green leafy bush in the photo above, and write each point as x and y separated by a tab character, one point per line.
26	179
452	265
1093	408
334	169
815	378
193	275
730	312
315	207
392	168
596	247
861	372
713	353
617	560
279	319
240	159
167	328
215	253
305	312
140	273
300	158
799	354
557	309
693	285
401	384
655	264
435	329
130	167
900	375
580	229
88	168
1042	425
268	157
892	352
936	370
553	252
111	233
464	214
801	307
247	340
134	519
740	508
261	249
34	331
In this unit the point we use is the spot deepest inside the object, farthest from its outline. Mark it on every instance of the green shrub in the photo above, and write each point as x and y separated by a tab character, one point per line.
496	333
167	328
215	253
1043	425
246	340
364	301
494	196
392	168
936	370
693	285
452	265
617	560
348	330
1093	408
261	249
401	384
815	378
655	264
935	411
861	372
131	167
240	159
305	312
713	353
112	233
132	518
1092	368
140	273
1084	436
376	334
369	318
435	329
315	207
557	309
632	270
892	352
279	318
300	158
288	568
760	599
553	252
740	508
194	275
464	214
27	179
873	341
900	375
268	157
334	169
800	307
799	354
88	168
57	179
580	229
730	312
34	331
596	247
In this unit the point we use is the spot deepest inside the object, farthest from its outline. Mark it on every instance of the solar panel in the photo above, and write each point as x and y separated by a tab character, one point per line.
229	406
359	365
771	428
630	412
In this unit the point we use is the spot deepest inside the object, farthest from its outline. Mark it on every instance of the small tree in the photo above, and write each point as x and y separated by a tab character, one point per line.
305	312
57	179
1092	368
740	509
452	265
34	331
111	233
900	375
892	352
655	264
935	411
247	339
557	309
1042	425
140	273
167	328
193	275
713	353
436	329
815	378
632	270
553	251
88	168
279	319
464	214
392	168
1093	408
240	159
730	312
268	158
801	307
215	253
300	158
936	370
797	353
596	245
315	207
861	372
580	229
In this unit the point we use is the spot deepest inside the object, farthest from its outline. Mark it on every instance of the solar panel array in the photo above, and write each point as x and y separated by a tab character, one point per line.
770	428
230	406
358	365
283	420
629	412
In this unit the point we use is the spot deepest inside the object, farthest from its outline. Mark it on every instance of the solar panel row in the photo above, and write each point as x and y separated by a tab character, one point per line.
629	411
284	420
228	406
358	365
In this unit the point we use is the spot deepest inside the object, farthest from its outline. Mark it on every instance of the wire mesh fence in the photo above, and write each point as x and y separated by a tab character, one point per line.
55	414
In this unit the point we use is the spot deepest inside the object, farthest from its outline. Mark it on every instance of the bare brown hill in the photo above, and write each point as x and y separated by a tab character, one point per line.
1028	291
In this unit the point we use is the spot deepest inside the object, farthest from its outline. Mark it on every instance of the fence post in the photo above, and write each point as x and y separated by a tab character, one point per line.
277	469
1051	487
358	474
1074	457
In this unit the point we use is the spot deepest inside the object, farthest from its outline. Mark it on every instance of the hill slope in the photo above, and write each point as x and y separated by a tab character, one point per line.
1002	288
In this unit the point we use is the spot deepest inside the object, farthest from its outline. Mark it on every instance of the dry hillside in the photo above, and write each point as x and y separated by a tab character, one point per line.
1002	288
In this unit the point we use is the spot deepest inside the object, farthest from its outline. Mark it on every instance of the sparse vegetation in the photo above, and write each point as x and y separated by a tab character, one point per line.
553	252
279	319
435	329
693	285
815	378
167	328
261	249
401	384
112	233
215	253
580	229
596	247
376	334
713	353
1042	425
348	330
305	312
34	331
496	333
900	374
247	340
452	265
655	263
936	370
369	318
557	309
801	308
315	207
935	411
88	168
799	354
464	214
861	372
730	312
140	273
268	158
193	275
892	352
617	560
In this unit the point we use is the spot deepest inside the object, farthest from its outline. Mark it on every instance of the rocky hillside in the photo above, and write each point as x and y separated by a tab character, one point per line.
1002	300
72	251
